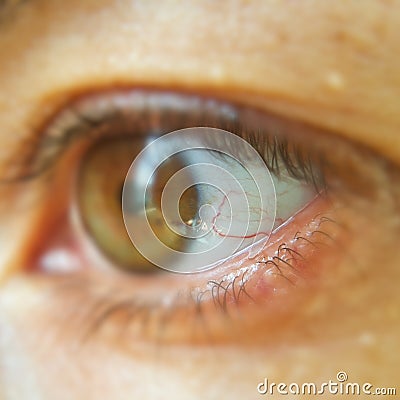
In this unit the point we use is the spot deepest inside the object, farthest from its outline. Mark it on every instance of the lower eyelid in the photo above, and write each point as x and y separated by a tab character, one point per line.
211	305
102	306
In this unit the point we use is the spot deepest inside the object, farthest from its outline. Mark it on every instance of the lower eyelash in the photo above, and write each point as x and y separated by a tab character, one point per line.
151	320
284	262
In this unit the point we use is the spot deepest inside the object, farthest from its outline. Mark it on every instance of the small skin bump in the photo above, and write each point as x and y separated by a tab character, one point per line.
367	339
335	81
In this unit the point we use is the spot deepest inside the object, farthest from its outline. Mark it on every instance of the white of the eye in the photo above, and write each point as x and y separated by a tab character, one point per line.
233	180
291	196
223	214
236	199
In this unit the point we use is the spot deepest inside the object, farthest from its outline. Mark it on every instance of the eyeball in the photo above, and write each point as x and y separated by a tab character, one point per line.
195	197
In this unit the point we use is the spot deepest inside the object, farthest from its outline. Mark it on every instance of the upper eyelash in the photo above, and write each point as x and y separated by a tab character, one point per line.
278	152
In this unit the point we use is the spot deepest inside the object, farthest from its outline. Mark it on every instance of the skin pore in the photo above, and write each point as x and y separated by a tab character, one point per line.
333	65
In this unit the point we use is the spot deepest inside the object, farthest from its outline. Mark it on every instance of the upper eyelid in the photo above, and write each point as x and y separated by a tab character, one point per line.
72	119
67	99
333	108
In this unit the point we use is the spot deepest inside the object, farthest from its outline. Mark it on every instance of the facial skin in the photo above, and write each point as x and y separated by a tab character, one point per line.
330	64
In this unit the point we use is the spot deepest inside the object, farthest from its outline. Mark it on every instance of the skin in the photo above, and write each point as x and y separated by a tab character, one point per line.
332	64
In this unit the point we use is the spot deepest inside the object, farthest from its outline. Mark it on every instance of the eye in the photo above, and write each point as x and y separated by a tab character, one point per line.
84	156
206	193
200	205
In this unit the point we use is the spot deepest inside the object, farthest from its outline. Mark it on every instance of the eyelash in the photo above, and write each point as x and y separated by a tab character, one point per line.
280	151
102	308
